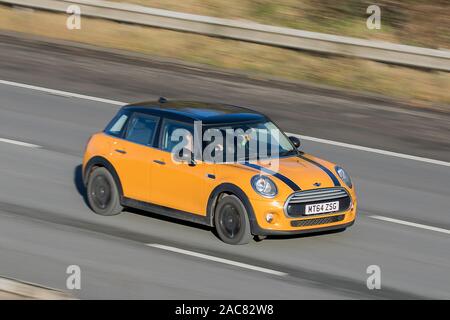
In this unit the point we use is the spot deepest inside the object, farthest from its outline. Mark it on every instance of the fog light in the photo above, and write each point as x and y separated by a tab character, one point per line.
269	217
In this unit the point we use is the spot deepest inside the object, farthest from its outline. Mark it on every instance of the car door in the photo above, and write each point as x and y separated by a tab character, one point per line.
177	184
132	154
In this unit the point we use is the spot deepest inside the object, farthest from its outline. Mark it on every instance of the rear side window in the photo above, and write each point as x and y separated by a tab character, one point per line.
142	128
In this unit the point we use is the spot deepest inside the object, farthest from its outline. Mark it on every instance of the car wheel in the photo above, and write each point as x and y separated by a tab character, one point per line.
231	221
102	193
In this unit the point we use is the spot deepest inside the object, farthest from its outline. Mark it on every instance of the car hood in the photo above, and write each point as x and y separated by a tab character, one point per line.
302	172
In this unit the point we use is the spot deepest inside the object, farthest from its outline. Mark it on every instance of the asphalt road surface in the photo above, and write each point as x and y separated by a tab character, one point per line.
404	204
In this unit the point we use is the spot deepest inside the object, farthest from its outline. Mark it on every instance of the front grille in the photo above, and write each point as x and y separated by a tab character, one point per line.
316	221
318	195
296	203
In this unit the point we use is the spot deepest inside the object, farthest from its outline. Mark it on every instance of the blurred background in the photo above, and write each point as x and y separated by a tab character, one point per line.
374	100
415	23
421	23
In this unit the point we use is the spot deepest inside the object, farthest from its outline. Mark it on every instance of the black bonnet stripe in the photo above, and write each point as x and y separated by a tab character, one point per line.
285	179
327	171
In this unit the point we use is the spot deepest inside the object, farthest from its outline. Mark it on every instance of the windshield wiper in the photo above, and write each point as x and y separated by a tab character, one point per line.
292	152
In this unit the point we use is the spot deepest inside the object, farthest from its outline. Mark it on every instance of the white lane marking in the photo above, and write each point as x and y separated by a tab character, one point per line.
411	224
216	259
20	143
319	140
62	93
379	151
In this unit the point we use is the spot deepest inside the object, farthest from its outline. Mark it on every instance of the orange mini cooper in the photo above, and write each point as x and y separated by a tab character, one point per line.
223	166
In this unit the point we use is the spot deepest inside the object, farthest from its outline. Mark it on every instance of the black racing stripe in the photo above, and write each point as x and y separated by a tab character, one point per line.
285	179
327	171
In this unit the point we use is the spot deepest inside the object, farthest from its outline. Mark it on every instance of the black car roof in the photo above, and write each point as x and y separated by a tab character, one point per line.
208	113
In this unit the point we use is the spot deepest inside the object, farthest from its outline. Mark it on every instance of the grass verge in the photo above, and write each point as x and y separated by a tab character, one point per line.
415	86
413	22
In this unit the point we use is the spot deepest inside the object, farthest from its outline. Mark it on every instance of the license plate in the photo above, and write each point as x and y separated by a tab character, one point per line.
324	207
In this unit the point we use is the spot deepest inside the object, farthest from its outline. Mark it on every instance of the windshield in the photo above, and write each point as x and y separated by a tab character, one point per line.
245	141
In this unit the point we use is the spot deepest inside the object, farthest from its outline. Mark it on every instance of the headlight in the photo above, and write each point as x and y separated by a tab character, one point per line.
264	186
344	176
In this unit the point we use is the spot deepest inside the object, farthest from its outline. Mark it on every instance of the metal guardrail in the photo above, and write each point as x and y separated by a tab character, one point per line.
250	32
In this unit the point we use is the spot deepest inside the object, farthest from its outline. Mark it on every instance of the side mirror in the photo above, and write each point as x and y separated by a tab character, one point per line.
295	141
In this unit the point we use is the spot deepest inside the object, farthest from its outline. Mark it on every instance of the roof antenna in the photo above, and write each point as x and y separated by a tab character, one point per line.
162	100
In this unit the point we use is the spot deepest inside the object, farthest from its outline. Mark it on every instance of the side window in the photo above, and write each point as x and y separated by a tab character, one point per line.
174	132
117	125
141	129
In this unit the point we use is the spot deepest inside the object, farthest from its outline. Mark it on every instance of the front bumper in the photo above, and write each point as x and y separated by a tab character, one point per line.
285	225
268	232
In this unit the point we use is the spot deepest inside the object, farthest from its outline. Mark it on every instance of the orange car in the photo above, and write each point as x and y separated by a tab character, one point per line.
219	165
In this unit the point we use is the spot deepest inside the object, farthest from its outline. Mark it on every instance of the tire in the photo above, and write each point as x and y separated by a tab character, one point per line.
102	193
231	221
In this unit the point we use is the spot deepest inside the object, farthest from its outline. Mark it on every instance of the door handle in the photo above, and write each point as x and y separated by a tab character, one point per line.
159	162
121	151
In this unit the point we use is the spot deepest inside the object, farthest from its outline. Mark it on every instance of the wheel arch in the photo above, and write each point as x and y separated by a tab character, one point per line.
99	161
229	188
